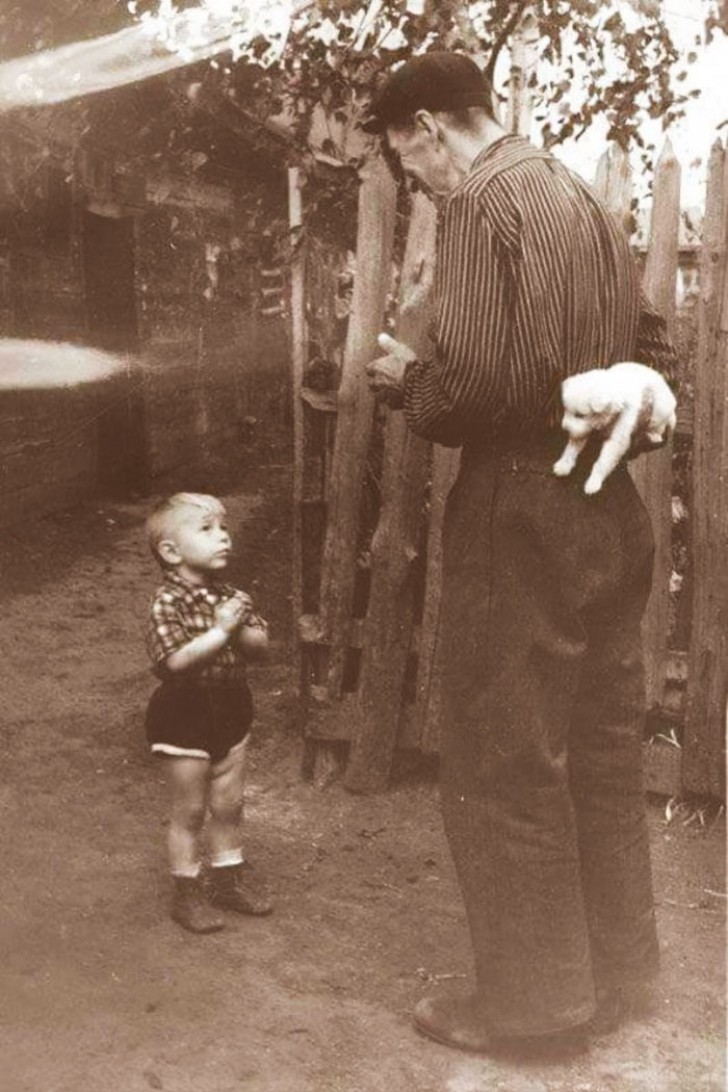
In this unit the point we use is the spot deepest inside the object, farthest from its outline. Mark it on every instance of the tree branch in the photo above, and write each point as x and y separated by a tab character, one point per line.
503	37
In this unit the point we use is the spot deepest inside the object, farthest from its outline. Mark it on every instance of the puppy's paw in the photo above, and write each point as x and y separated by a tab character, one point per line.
593	484
563	467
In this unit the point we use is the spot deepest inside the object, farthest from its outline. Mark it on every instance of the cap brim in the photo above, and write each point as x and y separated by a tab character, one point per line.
376	123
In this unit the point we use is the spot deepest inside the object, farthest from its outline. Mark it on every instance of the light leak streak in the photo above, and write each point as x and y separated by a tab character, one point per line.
154	45
45	365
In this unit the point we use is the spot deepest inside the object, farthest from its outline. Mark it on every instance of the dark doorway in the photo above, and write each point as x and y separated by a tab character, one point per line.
108	247
108	250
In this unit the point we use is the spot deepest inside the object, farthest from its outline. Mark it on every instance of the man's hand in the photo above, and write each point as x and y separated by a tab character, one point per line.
386	373
629	405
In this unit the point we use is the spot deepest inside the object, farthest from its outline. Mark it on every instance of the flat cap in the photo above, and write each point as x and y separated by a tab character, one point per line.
434	81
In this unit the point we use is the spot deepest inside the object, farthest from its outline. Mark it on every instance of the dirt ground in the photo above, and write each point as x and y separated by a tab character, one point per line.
101	992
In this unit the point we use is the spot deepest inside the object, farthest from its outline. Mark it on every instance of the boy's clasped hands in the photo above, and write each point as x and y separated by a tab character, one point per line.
235	616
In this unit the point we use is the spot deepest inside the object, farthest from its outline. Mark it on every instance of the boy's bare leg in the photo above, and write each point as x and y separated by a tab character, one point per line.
187	779
227	785
235	884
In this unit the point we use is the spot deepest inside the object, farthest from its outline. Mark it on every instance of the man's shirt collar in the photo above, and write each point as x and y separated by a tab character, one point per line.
503	153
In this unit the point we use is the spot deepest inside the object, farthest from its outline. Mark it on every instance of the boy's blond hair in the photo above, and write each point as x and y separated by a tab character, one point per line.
159	523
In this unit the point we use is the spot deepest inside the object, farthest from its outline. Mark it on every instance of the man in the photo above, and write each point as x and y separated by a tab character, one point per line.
544	587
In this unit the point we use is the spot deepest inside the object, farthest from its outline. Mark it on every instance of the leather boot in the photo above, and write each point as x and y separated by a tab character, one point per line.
460	1022
238	887
621	1005
191	909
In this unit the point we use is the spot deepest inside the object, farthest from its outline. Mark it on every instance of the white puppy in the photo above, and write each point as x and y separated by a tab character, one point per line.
616	402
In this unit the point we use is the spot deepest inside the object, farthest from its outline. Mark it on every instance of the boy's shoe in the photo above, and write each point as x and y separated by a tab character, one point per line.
191	909
239	887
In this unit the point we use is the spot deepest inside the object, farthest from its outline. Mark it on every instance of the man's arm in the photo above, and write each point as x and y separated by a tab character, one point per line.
456	392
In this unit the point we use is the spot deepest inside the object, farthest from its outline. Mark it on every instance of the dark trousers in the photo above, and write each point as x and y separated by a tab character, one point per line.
543	706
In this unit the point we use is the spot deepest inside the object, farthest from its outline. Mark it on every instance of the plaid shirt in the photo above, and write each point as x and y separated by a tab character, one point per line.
179	613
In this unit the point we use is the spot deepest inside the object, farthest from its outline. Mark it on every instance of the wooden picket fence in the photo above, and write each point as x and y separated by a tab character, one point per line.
369	649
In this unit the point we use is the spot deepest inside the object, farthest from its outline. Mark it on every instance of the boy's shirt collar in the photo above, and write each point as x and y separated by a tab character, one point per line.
198	591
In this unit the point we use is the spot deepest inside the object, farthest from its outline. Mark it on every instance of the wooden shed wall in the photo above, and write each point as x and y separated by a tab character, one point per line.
207	366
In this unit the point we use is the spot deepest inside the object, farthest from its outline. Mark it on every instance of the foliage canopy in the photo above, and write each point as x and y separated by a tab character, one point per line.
598	58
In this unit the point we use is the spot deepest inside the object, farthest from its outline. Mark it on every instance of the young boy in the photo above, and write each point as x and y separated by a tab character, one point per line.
201	633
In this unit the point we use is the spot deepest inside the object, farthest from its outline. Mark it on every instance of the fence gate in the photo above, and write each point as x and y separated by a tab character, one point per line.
369	653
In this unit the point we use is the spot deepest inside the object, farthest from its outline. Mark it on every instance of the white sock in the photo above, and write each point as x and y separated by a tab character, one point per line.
226	858
188	872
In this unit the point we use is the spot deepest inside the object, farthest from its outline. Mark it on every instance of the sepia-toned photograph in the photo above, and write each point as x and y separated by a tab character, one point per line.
363	545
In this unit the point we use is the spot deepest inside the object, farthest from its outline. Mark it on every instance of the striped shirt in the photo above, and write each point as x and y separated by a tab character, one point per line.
180	612
535	280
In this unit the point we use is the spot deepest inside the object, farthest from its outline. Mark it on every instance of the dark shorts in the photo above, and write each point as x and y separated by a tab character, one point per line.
200	721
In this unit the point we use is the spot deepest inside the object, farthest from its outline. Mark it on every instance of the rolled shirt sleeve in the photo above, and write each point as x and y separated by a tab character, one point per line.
462	383
167	631
535	281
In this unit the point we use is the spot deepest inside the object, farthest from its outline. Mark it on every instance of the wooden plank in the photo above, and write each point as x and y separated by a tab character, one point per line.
704	740
396	542
446	462
377	201
299	340
653	473
613	183
661	763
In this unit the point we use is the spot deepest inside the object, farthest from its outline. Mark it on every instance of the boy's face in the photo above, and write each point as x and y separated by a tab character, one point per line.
197	542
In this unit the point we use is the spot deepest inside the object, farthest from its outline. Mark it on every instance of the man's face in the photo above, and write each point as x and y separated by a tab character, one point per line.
424	157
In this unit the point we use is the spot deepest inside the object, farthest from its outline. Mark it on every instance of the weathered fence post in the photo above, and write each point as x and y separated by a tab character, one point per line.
704	740
375	237
445	464
298	362
388	627
613	183
653	472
